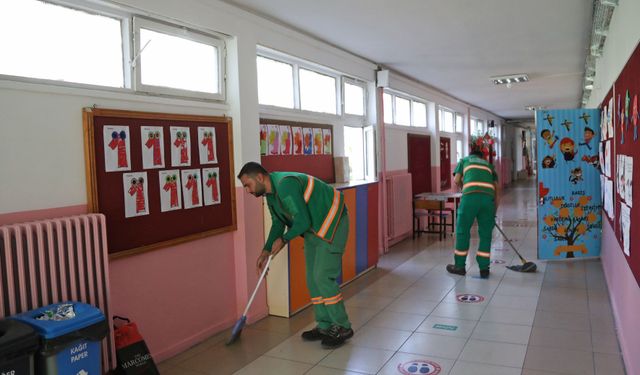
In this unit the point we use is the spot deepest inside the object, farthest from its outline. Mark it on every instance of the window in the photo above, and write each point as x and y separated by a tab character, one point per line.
459	150
403	111
370	153
353	99
176	61
446	121
479	127
459	123
387	104
354	150
317	92
275	83
419	114
47	41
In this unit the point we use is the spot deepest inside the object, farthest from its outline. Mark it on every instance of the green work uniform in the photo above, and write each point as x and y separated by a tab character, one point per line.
310	208
478	201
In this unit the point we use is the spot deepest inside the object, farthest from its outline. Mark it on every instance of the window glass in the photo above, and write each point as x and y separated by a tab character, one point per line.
419	114
354	150
459	123
275	83
317	92
41	40
446	121
403	111
387	105
353	99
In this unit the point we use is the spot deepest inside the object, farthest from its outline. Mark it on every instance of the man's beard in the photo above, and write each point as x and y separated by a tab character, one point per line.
260	190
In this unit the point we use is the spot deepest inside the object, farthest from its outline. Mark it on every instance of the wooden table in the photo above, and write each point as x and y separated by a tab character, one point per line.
443	197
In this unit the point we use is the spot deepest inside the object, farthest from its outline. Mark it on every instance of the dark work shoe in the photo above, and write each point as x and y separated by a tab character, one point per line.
314	334
484	274
458	271
336	336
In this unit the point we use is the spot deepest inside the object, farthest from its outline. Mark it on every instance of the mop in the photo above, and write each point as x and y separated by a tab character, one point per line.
237	328
525	266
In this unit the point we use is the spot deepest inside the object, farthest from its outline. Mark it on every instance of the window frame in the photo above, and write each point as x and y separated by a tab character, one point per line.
184	33
352	81
412	100
336	88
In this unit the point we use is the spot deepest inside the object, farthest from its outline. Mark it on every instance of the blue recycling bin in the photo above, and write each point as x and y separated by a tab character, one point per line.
70	343
18	344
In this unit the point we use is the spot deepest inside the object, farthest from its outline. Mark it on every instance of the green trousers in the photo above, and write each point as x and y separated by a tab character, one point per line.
324	264
474	206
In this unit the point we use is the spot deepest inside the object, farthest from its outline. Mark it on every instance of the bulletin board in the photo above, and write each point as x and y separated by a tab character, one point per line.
310	151
626	123
160	179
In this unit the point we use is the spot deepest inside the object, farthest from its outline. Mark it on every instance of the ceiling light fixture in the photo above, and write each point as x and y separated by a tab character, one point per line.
510	79
535	107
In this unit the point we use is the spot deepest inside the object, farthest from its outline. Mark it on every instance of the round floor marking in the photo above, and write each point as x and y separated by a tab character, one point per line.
498	261
420	366
469	298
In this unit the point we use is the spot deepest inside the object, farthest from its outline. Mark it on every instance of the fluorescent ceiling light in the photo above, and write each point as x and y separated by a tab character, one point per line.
509	79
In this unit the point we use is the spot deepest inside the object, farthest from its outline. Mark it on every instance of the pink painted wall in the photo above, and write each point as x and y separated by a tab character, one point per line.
625	297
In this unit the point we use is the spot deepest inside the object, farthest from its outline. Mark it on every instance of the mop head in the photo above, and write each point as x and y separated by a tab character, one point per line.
237	330
526	267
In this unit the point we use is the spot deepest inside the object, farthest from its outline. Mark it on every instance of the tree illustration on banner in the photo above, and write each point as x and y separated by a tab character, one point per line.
569	222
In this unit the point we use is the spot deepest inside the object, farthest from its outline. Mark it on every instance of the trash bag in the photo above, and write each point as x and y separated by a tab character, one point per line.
132	353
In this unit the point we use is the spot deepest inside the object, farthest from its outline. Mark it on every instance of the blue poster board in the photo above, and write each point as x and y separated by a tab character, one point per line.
569	198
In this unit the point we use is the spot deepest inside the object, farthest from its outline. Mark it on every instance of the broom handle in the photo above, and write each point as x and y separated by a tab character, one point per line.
510	244
264	272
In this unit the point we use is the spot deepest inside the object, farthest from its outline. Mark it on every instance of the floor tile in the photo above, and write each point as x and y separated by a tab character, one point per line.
412	306
551	319
465	311
474	368
274	366
369	302
494	353
561	338
608	364
604	342
445	326
508	316
529	303
510	333
562	361
296	349
379	338
397	320
358	359
416	364
434	345
321	370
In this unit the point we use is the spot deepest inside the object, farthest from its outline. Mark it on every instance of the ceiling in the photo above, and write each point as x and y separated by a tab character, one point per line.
455	46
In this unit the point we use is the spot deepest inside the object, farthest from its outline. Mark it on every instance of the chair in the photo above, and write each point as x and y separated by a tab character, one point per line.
432	210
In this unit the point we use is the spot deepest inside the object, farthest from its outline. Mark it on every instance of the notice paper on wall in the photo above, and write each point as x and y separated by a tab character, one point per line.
607	159
608	198
628	180
625	226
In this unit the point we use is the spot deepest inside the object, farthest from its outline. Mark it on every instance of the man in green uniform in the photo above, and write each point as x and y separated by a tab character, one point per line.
479	183
309	208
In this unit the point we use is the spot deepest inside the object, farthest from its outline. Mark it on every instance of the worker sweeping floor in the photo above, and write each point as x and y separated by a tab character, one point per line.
412	317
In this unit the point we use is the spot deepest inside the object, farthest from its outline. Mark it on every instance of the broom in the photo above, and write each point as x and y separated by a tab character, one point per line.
525	266
237	328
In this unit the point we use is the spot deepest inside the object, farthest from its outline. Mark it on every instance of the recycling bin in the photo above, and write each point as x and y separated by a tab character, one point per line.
18	344
70	335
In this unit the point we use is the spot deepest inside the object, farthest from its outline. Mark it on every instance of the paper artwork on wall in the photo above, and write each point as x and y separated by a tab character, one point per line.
317	141
180	146
117	148
191	188
285	140
211	187
308	141
327	141
625	227
263	139
610	117
608	198
136	200
152	139
297	140
274	139
207	145
170	190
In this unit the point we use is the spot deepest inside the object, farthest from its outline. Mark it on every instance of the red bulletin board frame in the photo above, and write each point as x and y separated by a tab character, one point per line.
128	236
629	79
319	166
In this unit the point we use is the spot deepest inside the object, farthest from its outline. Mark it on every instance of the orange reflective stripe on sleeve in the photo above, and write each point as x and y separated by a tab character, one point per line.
309	189
331	215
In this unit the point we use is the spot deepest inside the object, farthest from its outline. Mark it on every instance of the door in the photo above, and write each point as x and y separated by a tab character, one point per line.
445	163
419	158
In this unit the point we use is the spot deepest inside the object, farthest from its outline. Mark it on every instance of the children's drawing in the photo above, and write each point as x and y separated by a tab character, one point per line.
136	202
274	139
285	140
567	147
297	140
152	147
308	141
207	145
180	146
211	188
317	141
170	190
191	188
327	141
116	148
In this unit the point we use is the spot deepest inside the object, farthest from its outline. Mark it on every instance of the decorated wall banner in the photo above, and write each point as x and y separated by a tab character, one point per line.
569	196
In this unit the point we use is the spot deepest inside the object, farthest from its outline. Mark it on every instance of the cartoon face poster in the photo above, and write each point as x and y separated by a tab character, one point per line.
117	148
263	139
297	140
285	140
273	138
136	199
170	190
180	146
307	141
211	186
317	141
191	188
569	193
152	147
207	145
327	141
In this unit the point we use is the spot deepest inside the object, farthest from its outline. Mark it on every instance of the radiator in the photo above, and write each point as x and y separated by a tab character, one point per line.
399	197
54	261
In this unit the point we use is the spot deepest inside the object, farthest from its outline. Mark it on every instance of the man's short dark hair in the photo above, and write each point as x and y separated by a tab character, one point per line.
477	153
252	169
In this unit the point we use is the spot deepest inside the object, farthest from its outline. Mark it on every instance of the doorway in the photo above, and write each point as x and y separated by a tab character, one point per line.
419	162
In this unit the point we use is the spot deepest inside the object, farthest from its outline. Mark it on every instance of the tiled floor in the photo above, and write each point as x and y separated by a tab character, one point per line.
408	319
